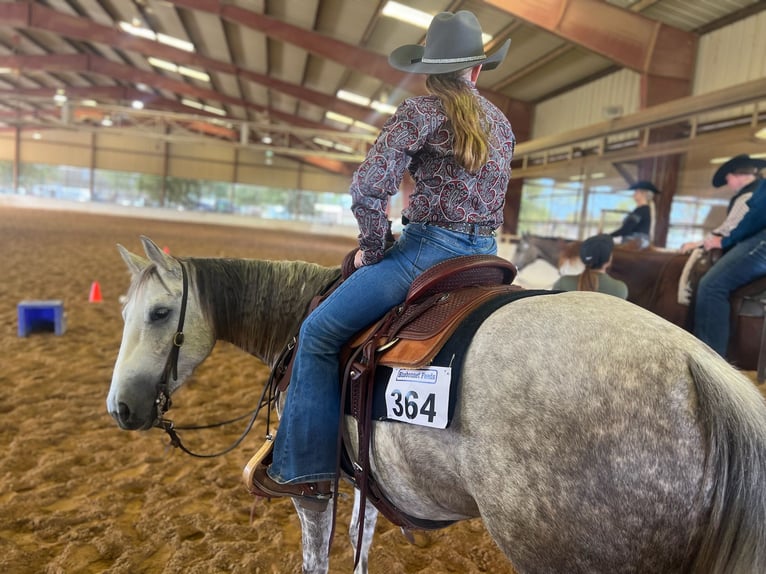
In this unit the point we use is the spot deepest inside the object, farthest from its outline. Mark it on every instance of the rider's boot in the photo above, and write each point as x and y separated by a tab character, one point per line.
310	495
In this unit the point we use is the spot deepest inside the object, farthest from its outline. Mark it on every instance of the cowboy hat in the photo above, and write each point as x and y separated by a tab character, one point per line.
735	164
644	185
453	42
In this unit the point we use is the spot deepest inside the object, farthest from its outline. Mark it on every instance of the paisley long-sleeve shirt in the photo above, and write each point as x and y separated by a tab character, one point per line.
418	137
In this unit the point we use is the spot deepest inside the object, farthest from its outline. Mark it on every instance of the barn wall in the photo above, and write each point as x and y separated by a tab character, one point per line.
725	57
130	153
587	104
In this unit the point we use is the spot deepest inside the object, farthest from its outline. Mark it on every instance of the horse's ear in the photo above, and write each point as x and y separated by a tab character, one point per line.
162	259
135	263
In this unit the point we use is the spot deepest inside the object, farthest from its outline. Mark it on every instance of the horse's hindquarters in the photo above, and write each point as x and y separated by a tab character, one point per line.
567	438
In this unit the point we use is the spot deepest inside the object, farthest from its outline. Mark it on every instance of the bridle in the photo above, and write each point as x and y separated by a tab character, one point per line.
163	402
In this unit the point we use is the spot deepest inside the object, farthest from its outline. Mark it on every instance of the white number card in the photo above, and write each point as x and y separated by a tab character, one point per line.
419	396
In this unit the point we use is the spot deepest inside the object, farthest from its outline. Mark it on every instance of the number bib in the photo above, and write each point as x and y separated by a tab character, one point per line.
419	396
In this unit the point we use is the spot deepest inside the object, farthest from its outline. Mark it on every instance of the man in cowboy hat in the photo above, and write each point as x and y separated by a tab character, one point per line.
740	175
744	258
638	225
458	148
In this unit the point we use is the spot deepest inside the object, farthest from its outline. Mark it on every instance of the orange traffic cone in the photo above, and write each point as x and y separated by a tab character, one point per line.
95	293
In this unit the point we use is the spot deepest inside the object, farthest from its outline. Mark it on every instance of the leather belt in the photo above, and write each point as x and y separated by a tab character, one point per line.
462	227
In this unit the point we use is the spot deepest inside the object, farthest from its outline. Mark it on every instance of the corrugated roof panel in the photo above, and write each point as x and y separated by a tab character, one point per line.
561	72
690	15
208	35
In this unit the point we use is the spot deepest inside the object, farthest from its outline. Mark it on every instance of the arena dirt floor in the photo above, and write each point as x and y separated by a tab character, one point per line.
78	495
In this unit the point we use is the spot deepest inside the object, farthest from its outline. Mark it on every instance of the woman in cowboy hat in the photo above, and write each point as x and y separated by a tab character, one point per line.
744	258
458	148
638	225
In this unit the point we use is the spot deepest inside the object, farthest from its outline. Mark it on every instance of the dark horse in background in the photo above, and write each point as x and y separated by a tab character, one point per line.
652	277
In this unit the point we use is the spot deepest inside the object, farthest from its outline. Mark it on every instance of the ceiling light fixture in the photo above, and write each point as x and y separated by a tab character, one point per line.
415	17
340	118
366	127
353	98
406	14
383	108
214	110
191	103
184	70
195	74
136	29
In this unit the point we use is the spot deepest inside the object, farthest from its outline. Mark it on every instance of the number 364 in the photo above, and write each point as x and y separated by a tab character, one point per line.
409	406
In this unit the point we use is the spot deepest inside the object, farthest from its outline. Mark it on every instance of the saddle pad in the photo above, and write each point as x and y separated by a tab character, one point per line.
452	353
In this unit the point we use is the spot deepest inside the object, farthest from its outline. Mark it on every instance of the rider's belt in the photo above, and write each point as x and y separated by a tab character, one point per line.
462	227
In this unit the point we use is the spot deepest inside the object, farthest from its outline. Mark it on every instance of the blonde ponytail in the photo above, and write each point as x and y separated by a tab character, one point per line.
653	216
469	122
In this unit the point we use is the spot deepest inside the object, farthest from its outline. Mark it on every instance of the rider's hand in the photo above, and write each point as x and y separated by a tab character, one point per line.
712	242
689	246
358	262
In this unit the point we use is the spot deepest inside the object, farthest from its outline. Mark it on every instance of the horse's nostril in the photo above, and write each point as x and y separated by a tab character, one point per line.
123	412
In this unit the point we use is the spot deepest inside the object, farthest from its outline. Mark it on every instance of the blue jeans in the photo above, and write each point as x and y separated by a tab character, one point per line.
305	445
743	263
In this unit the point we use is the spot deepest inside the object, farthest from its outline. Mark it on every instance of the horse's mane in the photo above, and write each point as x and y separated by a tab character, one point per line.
240	298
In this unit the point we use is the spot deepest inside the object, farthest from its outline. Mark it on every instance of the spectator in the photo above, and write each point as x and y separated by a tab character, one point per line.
596	254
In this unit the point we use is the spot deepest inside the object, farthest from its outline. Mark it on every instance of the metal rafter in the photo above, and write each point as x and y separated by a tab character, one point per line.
40	17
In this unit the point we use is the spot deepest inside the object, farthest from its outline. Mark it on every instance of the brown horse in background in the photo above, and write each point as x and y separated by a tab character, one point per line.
652	276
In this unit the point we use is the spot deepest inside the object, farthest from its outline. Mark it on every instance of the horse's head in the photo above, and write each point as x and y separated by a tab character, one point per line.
526	252
154	360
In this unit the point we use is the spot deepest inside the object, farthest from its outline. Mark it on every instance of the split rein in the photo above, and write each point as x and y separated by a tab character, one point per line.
163	401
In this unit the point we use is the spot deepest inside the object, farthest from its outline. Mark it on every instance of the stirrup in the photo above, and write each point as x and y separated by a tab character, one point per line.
259	458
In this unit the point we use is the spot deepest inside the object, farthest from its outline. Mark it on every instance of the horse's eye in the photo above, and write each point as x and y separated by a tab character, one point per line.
159	314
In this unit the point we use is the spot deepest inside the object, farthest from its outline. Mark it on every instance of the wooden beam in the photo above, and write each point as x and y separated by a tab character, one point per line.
632	40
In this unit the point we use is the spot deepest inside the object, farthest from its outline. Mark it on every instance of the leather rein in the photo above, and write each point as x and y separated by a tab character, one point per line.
163	402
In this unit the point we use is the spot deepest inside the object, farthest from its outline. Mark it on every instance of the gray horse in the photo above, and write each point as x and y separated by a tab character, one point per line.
590	435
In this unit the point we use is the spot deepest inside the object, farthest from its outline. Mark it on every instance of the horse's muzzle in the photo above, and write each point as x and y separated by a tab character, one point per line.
128	421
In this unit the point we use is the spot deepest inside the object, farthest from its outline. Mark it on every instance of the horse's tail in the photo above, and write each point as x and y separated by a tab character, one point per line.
733	415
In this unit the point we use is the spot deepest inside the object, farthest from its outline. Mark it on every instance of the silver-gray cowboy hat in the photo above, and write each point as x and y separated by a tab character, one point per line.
738	163
453	43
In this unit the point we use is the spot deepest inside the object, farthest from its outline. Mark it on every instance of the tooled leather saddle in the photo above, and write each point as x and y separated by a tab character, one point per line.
409	335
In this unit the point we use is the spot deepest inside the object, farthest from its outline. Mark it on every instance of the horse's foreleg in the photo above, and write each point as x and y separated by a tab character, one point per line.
315	538
370	518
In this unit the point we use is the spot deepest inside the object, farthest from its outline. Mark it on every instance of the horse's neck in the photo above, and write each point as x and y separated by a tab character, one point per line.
258	305
550	250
